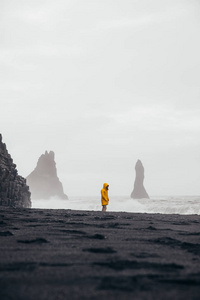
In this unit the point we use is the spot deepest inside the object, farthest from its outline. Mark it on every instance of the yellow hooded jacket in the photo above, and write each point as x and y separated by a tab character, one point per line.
104	195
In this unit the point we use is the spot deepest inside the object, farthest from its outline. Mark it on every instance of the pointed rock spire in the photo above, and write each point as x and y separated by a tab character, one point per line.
139	191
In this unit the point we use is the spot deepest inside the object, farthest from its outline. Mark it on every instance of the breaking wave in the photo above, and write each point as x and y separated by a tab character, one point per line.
184	205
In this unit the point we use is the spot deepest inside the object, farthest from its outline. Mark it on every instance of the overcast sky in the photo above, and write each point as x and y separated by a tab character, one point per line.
103	83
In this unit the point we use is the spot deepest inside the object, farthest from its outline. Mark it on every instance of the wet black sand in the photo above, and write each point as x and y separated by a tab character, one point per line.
64	254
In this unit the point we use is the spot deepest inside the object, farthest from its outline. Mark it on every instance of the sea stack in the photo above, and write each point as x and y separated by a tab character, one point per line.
43	181
139	191
14	191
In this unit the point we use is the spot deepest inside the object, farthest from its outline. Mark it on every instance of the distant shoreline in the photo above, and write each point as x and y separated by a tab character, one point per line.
108	212
168	205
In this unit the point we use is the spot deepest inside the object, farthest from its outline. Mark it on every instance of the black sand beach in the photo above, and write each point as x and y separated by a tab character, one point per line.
64	254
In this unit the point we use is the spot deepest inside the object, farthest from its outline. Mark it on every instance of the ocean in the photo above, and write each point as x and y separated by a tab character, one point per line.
184	205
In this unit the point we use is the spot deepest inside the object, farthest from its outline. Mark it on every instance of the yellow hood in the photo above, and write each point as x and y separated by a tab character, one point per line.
105	185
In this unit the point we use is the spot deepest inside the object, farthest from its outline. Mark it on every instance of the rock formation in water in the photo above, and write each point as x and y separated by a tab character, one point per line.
43	181
139	191
14	191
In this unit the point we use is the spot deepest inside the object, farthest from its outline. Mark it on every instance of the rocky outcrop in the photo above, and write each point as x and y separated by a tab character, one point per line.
139	191
43	181
13	189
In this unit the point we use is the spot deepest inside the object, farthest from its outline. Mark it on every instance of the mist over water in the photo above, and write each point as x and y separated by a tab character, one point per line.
184	205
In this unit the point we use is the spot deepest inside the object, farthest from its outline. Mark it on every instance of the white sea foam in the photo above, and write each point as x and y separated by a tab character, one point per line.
185	205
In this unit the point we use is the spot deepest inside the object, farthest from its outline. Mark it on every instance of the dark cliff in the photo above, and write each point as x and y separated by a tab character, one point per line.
43	181
139	191
13	189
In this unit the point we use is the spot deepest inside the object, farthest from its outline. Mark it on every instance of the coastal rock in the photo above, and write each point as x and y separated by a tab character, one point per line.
139	191
43	181
14	191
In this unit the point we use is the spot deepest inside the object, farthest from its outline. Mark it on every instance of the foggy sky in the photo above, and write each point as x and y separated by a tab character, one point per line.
102	84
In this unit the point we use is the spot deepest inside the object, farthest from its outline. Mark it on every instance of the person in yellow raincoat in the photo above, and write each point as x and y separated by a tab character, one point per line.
104	196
